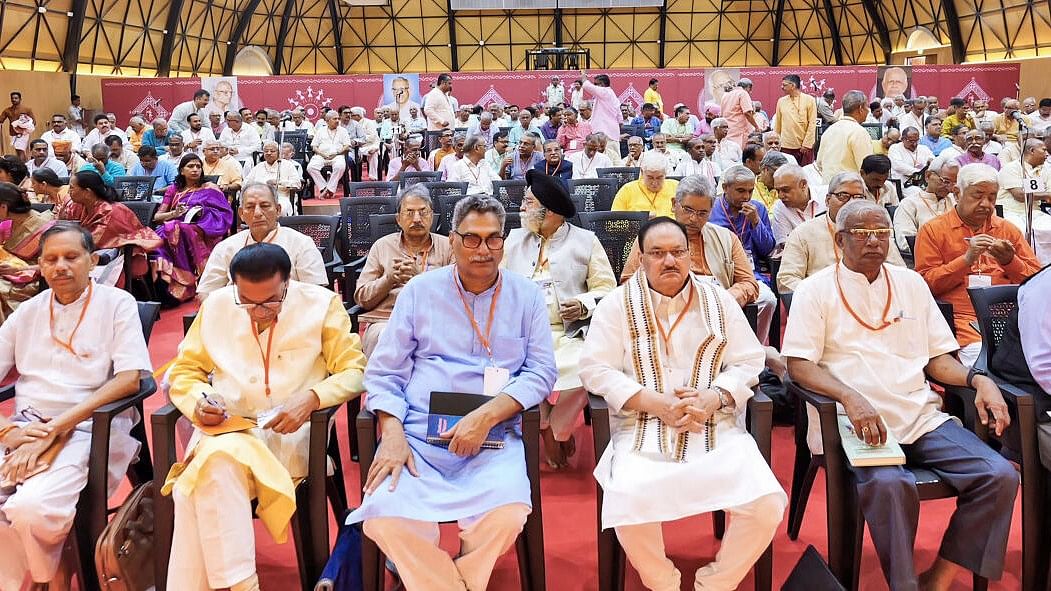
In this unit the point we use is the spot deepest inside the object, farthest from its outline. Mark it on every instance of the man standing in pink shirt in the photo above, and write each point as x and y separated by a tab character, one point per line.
738	111
605	114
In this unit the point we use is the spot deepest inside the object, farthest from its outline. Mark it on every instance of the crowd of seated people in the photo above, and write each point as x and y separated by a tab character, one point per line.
764	205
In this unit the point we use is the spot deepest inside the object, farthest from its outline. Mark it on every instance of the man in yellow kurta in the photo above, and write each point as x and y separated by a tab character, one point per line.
238	360
652	192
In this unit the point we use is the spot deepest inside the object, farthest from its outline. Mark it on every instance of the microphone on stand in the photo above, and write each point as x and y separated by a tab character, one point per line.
1017	116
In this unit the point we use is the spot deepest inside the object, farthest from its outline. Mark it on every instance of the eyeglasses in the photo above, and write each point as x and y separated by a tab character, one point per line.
413	213
660	255
843	196
268	305
691	212
494	242
865	234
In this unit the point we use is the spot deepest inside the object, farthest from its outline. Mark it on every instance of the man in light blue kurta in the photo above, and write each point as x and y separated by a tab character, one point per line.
439	339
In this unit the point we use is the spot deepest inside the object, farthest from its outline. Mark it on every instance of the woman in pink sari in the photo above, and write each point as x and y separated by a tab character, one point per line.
194	216
20	229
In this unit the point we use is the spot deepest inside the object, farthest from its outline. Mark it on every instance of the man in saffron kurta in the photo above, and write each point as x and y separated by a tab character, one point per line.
309	361
968	246
569	264
440	338
678	447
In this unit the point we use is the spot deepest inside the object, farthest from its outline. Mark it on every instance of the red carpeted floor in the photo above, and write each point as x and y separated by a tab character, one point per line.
570	519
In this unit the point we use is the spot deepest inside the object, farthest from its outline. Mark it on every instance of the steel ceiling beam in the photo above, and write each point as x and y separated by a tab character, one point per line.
235	37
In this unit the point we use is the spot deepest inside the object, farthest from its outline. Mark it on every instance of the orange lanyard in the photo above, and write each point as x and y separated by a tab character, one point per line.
886	308
652	200
832	235
68	345
265	356
666	336
484	339
423	254
977	266
730	220
547	168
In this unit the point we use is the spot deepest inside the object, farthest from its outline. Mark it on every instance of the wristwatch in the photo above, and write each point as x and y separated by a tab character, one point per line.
974	372
725	398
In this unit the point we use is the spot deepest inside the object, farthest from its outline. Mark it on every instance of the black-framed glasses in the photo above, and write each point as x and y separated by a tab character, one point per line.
843	196
692	213
269	305
494	242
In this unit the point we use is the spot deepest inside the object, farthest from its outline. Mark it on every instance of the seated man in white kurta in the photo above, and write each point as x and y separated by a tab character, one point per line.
677	400
569	264
76	346
281	174
463	328
242	358
259	211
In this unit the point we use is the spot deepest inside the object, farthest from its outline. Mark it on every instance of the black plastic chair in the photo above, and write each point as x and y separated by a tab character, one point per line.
995	307
445	205
530	542
593	194
355	238
623	174
511	193
42	207
144	210
442	189
134	188
372	189
211	178
322	229
409	179
384	224
616	231
93	511
611	558
512	221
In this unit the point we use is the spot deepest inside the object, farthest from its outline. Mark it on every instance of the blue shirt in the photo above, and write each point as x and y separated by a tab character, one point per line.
164	171
564	171
652	126
518	169
935	145
429	345
550	131
113	170
514	137
758	241
158	143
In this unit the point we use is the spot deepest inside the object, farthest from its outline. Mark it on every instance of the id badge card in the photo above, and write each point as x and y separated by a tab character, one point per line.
494	380
979	281
548	287
573	144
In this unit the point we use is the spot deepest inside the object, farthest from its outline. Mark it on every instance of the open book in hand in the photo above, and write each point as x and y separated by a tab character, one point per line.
447	408
861	454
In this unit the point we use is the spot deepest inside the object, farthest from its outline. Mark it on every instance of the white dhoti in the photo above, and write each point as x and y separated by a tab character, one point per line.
339	166
35	520
413	546
767	304
1015	213
222	502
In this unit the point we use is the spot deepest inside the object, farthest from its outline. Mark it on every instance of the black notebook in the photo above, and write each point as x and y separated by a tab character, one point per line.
447	408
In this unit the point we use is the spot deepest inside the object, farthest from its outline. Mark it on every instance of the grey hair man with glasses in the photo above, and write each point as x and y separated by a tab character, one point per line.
398	257
868	335
810	246
254	376
467	328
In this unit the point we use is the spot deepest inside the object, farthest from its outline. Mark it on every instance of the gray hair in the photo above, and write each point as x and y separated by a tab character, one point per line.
774	160
842	178
737	173
1031	145
694	185
135	119
972	174
486	116
853	100
789	170
653	161
480	204
942	162
472	142
211	143
271	143
857	207
235	116
159	121
287	145
418	191
718	121
269	190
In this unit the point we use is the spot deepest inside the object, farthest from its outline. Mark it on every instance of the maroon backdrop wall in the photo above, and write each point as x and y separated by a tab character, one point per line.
155	97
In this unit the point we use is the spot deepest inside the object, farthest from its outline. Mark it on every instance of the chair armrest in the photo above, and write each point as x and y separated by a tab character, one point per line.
107	255
760	414
106	412
7	392
599	423
365	424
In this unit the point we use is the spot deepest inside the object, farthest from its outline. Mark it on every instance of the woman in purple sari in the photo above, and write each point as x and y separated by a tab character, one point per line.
192	219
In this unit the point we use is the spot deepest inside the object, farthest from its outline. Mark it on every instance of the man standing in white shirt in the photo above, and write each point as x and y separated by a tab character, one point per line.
587	161
370	145
240	140
916	116
556	93
437	107
330	144
196	134
59	131
178	119
472	168
76	116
